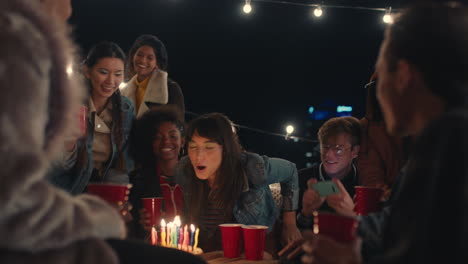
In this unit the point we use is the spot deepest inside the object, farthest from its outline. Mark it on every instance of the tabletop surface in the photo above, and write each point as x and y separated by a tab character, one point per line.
216	257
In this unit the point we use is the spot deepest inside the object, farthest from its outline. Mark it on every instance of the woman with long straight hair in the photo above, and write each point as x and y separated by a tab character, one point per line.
223	183
102	155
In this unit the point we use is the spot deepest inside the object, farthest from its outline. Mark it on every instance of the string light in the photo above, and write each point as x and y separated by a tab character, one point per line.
318	11
247	7
296	139
387	18
289	130
318	8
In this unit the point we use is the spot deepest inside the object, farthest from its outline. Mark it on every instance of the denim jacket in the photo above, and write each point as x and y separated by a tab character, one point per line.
256	205
74	180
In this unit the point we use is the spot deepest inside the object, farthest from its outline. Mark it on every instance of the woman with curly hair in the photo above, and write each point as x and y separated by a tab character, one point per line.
159	141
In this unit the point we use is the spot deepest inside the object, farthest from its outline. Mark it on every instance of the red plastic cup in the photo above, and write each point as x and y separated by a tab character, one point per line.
254	241
111	192
231	236
82	119
367	199
153	207
341	228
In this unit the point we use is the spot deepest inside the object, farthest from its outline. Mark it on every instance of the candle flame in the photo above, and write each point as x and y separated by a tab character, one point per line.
177	221
192	227
163	223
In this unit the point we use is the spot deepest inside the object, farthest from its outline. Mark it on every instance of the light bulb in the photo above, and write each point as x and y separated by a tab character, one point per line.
387	18
318	12
289	129
247	8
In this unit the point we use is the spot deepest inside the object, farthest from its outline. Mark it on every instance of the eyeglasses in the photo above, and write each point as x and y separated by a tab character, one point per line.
338	150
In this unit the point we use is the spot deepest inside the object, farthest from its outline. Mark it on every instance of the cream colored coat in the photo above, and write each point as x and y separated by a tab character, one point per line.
37	98
156	91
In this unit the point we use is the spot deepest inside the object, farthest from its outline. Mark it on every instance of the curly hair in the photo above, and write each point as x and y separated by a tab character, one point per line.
158	48
146	128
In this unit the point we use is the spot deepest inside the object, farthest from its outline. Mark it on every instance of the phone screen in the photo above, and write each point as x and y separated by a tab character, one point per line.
325	188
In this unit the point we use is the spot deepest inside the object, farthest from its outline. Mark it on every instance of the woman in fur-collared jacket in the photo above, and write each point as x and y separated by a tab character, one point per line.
38	98
150	85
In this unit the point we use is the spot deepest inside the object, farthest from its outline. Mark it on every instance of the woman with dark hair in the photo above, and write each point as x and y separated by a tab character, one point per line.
149	84
102	155
223	183
381	156
158	144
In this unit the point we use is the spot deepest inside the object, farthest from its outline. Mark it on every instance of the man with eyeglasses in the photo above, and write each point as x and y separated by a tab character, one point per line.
339	140
422	89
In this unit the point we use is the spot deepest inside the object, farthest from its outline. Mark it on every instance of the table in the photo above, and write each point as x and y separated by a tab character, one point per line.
216	257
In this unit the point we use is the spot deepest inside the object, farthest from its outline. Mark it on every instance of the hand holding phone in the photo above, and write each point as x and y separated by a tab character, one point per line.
311	200
325	188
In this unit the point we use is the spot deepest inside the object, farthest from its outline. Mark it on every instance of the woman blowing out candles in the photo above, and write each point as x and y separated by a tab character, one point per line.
223	183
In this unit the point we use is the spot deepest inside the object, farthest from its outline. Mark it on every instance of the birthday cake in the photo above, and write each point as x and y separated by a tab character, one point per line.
197	251
174	235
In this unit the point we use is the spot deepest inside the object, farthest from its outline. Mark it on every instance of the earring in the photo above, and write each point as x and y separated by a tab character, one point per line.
182	152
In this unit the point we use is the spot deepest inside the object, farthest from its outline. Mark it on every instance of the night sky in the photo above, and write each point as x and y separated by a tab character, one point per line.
263	70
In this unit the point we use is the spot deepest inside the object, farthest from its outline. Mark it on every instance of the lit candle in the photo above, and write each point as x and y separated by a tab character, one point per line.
196	239
174	236
154	236
163	233
169	234
186	239
177	231
181	238
192	234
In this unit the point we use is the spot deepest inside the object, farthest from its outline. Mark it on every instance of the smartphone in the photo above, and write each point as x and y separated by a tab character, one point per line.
325	188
